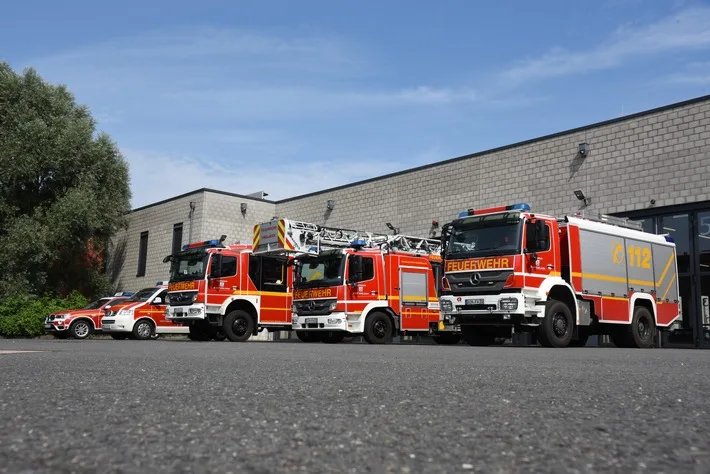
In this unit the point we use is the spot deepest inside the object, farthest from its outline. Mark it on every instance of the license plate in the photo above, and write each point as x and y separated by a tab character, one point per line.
48	326
311	320
179	313
473	301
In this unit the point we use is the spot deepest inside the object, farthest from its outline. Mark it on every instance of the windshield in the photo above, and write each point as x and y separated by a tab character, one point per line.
484	236
142	295
188	265
97	304
323	270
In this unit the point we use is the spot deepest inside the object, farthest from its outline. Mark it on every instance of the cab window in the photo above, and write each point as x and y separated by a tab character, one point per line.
228	267
531	245
368	268
268	273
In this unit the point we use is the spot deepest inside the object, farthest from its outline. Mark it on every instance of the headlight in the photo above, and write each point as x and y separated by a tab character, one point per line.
508	304
333	305
194	297
126	312
446	305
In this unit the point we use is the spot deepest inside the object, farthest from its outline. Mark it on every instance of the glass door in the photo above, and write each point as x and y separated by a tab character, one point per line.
703	306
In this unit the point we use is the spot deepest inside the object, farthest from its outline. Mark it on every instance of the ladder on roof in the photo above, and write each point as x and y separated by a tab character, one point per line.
289	236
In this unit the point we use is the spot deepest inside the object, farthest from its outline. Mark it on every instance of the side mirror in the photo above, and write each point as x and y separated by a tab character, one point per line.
157	300
216	265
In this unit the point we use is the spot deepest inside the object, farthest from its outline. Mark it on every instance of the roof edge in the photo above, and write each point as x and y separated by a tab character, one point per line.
200	191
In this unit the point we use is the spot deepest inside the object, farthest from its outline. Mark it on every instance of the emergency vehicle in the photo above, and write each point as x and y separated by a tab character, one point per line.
142	316
80	323
218	291
349	282
565	278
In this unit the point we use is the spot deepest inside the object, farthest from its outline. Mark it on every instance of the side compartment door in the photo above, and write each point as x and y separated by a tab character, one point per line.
414	296
275	307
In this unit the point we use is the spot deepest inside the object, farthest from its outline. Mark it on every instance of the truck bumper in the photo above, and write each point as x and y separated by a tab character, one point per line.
339	321
178	314
503	309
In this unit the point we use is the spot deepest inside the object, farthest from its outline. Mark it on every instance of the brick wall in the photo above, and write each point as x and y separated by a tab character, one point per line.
662	155
223	215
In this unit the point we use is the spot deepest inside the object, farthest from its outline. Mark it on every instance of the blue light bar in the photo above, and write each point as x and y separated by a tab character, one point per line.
669	239
519	207
463	214
358	243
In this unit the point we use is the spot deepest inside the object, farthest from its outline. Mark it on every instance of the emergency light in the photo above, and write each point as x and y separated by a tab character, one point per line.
358	243
513	207
206	243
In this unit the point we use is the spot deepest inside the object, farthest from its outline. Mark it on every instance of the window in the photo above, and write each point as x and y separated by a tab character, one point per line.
268	274
368	268
142	254
177	238
530	244
228	267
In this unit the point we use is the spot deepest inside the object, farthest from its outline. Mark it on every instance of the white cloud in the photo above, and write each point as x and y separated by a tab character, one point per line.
686	30
695	74
157	176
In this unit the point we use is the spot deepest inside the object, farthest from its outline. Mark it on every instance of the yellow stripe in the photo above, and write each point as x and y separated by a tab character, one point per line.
260	293
615	298
668	288
594	276
665	270
257	235
276	309
415	298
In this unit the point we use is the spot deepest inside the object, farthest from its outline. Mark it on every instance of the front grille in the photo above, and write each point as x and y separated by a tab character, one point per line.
181	298
108	321
313	307
490	282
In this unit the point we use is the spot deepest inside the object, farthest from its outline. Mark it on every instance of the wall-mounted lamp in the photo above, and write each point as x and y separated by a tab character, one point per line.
392	228
330	204
580	195
243	207
192	205
583	148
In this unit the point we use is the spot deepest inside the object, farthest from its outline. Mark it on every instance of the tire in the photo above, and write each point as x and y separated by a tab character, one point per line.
198	332
642	331
447	339
477	336
378	328
118	336
238	326
557	327
333	337
218	335
80	329
582	337
143	329
306	336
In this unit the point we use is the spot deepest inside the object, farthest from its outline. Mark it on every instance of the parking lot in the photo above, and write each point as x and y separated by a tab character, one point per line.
178	406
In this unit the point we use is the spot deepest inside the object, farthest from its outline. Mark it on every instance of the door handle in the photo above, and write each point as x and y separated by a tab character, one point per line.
550	267
373	292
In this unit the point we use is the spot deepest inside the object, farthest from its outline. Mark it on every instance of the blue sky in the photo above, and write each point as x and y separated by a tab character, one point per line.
292	97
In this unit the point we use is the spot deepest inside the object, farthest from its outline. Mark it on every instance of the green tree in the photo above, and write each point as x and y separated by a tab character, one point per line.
64	190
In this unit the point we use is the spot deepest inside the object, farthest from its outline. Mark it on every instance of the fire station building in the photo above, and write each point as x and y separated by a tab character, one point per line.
652	166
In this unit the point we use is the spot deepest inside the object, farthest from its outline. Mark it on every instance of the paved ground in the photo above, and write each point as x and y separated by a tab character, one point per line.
180	406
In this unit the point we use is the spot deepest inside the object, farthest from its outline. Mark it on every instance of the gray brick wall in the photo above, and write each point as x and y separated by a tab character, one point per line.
662	156
214	215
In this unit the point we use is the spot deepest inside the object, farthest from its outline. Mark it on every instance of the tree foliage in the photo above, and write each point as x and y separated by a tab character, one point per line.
64	190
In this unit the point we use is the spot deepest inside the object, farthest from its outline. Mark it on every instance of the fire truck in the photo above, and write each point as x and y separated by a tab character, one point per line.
349	282
507	268
227	291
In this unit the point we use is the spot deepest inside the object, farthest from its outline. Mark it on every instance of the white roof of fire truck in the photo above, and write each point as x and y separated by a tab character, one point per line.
287	236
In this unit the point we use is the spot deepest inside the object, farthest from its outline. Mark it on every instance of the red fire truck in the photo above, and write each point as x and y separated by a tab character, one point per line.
223	291
507	268
348	282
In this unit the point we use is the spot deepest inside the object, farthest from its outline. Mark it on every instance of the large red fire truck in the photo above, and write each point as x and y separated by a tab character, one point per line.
348	282
565	278
223	291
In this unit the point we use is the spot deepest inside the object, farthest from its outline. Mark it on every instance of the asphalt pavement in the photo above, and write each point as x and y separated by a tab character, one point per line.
179	406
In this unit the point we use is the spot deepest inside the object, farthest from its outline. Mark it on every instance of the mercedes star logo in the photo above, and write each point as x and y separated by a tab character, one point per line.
311	305
475	279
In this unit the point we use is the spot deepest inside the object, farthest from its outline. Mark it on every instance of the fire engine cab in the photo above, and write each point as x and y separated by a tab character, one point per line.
218	290
349	282
564	278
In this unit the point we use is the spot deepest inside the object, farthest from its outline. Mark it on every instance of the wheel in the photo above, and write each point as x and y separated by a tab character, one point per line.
307	336
582	337
143	329
333	337
238	326
477	336
378	328
642	330
447	339
557	327
118	336
80	329
198	332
